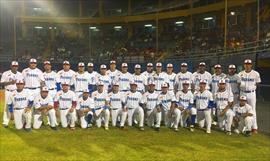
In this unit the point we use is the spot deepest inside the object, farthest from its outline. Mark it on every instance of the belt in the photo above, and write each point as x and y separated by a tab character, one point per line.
115	108
10	90
63	108
130	108
98	108
124	90
157	90
149	109
78	91
249	91
52	89
32	88
201	109
18	108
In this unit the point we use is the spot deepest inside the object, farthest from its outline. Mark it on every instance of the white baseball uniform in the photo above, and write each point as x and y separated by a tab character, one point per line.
186	101
66	100
50	81
141	82
246	122
124	80
222	99
106	80
202	101
197	77
170	117
151	102
41	102
234	80
66	76
113	74
160	78
116	103
171	78
81	82
182	77
33	79
148	75
248	87
215	81
101	111
133	100
83	104
8	76
19	101
93	81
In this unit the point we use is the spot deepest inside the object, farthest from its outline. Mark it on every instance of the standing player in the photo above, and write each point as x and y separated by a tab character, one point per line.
43	105
20	103
216	77
104	78
244	116
171	76
85	107
65	100
124	79
133	99
81	80
8	80
159	77
234	81
117	101
249	80
185	103
199	75
33	77
101	102
170	114
151	106
204	102
139	79
149	71
93	77
50	78
183	76
223	99
113	72
65	75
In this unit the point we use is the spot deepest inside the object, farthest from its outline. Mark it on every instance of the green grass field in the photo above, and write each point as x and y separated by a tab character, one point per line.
97	144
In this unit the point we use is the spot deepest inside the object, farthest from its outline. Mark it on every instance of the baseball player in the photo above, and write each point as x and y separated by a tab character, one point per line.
43	105
234	81
65	75
216	77
223	99
116	103
113	72
8	80
199	75
85	107
51	78
101	102
204	102
169	113
104	78
65	101
185	103
249	80
139	79
150	104
159	77
81	80
183	75
149	71
244	116
20	103
33	77
124	79
93	77
171	76
133	99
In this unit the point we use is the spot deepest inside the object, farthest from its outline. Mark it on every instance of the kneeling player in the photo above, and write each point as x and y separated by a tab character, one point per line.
150	103
243	116
169	113
85	107
43	105
185	101
117	100
224	100
65	101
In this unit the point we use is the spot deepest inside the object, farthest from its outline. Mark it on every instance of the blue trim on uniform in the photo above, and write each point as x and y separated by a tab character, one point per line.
10	107
106	107
211	104
58	86
91	88
30	103
193	118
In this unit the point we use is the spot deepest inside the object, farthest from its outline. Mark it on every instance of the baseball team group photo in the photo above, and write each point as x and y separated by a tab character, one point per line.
135	80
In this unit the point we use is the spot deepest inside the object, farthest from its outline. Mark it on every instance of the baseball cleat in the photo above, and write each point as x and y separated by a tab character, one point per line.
141	129
228	133
247	133
236	131
5	126
208	131
54	128
176	129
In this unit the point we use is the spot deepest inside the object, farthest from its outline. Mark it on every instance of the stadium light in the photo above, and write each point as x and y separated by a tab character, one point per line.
148	25
52	28
208	18
117	27
179	22
38	27
37	9
92	27
232	13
